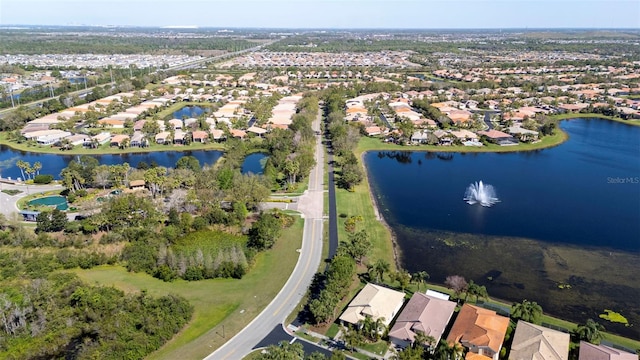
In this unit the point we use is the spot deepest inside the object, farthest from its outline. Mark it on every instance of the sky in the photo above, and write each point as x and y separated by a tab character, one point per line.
389	14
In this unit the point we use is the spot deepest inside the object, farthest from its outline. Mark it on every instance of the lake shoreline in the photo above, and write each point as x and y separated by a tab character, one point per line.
394	238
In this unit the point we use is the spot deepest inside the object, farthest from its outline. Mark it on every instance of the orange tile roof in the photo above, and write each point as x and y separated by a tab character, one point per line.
480	327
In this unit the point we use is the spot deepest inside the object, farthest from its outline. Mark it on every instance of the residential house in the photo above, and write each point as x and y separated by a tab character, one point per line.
534	342
523	134
179	137
112	123
190	123
464	135
52	136
136	184
257	130
590	351
479	330
444	138
138	140
236	133
176	124
119	140
217	134
163	137
573	107
420	137
77	139
498	137
375	301
200	136
424	314
98	140
138	125
373	130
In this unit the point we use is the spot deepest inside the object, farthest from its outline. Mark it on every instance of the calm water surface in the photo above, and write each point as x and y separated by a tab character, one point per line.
190	112
54	163
585	191
568	215
254	163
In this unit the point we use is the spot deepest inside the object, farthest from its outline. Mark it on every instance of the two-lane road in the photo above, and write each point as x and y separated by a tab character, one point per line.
311	206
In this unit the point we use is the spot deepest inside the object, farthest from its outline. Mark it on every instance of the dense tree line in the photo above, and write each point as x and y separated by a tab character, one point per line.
331	287
60	317
29	42
291	152
344	138
406	41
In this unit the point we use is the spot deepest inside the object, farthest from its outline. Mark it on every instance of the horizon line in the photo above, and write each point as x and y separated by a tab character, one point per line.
192	27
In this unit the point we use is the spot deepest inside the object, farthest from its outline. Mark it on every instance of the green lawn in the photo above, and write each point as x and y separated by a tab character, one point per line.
359	202
222	306
378	348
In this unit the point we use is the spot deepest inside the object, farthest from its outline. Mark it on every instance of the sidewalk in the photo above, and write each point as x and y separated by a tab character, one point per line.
332	344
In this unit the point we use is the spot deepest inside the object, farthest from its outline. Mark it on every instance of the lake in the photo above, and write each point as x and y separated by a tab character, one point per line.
568	215
190	112
254	163
53	163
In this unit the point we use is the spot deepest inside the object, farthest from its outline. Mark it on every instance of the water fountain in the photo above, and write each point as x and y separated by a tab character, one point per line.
481	193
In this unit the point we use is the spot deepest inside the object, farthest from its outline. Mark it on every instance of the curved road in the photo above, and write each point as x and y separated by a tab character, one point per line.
8	203
310	204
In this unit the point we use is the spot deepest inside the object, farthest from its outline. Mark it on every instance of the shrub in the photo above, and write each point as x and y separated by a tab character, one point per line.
43	179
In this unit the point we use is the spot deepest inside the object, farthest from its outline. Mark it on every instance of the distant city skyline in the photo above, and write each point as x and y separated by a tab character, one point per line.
327	14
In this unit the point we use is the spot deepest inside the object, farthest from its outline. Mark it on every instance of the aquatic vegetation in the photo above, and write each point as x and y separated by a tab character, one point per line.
615	317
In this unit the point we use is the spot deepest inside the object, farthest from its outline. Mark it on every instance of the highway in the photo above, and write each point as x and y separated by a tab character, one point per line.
184	66
310	204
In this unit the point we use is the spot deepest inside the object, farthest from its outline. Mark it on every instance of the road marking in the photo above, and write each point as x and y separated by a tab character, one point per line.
306	267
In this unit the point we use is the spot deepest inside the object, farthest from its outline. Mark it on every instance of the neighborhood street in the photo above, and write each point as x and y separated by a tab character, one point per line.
310	204
8	202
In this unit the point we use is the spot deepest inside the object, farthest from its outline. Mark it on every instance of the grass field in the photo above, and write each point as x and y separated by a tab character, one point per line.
223	307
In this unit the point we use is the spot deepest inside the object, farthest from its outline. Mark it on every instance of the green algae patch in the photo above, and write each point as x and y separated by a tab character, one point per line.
615	317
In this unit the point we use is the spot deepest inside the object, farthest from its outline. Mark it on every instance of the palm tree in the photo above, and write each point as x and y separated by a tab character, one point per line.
381	266
476	290
351	337
591	332
22	165
449	351
37	166
528	311
419	277
424	339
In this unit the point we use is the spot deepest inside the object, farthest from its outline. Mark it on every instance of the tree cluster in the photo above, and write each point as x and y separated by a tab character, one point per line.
335	286
60	317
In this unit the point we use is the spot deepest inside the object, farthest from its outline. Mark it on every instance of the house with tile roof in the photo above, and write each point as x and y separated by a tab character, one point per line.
479	330
375	301
423	314
534	342
590	351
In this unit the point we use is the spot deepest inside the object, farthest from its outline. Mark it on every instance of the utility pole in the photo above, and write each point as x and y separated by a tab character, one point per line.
11	96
